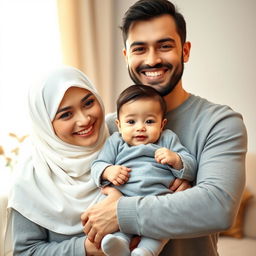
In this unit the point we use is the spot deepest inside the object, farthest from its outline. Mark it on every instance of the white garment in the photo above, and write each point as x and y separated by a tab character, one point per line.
54	186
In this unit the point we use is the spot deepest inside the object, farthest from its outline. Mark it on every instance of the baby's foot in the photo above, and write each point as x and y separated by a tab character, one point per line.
115	246
141	252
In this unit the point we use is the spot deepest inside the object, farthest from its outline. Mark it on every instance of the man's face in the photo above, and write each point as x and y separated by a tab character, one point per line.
154	53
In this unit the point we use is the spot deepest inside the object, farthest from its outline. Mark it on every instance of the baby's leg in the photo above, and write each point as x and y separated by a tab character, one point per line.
116	244
149	247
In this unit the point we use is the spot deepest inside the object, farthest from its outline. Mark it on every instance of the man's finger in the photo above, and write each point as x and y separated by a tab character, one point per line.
97	239
84	218
91	235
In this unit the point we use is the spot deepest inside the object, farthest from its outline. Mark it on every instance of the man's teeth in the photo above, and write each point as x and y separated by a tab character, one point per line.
153	74
84	131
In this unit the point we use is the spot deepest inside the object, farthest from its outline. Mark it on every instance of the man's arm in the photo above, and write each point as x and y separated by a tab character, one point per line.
208	207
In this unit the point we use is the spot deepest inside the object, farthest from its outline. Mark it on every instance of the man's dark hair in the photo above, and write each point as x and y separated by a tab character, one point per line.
148	9
136	92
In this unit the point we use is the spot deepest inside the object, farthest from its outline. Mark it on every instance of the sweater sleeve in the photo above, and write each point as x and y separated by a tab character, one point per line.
105	158
208	207
172	142
31	239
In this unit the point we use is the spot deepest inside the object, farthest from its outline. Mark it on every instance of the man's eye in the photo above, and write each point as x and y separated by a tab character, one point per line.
138	49
130	121
165	46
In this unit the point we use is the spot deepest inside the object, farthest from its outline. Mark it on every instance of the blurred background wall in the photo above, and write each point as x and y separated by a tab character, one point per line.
38	35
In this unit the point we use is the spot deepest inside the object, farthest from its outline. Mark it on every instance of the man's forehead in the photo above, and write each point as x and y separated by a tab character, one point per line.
152	30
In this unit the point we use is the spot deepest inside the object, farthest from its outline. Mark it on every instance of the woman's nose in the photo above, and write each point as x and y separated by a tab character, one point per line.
83	119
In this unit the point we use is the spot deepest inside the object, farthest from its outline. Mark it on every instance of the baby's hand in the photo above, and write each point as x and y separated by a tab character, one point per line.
166	156
116	174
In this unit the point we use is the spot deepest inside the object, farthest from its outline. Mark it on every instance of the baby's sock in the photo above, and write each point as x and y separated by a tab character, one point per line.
115	246
141	252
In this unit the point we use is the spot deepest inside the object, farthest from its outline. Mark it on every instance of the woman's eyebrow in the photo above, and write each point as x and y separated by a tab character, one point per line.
69	107
86	97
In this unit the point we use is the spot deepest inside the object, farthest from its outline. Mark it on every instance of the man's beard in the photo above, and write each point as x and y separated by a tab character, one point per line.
164	89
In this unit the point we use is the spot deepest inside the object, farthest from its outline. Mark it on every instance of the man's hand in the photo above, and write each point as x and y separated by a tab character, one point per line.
101	218
116	174
180	185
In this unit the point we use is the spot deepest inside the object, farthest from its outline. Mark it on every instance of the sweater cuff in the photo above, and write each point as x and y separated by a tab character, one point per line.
79	246
127	215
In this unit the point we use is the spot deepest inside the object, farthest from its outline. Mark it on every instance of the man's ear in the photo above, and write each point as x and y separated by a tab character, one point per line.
163	123
118	124
125	55
186	51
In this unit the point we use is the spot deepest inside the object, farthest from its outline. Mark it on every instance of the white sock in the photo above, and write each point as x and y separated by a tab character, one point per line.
141	252
115	246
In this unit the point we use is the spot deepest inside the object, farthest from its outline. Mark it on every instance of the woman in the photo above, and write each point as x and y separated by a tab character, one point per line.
54	187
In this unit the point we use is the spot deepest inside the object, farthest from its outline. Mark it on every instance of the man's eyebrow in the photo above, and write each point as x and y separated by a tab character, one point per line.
168	39
163	40
69	107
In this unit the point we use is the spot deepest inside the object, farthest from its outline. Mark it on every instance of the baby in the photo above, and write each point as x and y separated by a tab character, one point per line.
141	159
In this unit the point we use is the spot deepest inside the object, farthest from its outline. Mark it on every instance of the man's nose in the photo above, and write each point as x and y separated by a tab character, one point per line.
153	58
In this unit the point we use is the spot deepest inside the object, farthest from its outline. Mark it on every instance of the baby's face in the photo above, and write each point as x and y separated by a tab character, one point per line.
141	121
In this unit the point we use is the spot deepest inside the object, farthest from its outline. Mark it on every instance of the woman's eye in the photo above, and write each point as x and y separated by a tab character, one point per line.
65	115
88	102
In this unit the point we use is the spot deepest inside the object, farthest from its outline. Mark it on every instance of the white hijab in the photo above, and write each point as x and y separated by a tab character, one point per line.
54	186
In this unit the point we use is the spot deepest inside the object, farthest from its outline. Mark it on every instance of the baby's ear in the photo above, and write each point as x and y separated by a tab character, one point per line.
118	125
163	123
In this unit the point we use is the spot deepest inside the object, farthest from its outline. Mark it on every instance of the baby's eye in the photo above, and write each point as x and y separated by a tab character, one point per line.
131	122
150	121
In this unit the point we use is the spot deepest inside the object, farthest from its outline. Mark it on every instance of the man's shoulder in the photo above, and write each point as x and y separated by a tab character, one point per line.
205	109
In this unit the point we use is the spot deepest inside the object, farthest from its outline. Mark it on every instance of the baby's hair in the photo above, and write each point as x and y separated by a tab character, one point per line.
139	91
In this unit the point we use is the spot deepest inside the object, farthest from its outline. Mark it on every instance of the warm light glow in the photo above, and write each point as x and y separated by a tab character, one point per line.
29	45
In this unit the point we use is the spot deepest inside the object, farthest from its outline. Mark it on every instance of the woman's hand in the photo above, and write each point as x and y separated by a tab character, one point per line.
91	250
101	219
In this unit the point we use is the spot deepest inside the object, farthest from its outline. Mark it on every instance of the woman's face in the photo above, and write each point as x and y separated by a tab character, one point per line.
78	118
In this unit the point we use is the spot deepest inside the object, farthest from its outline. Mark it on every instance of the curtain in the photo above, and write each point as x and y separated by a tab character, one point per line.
86	30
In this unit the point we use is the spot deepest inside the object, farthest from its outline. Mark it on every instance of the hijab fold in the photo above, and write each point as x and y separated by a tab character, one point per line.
53	186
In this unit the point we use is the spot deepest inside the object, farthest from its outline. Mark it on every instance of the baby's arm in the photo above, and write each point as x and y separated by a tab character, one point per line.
116	174
166	156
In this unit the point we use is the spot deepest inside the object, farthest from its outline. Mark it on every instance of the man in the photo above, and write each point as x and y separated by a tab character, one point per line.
156	49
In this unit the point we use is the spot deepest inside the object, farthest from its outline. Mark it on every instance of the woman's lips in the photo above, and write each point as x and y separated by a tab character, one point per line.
85	131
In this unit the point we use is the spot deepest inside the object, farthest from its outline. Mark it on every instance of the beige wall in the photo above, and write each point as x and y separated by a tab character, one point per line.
222	62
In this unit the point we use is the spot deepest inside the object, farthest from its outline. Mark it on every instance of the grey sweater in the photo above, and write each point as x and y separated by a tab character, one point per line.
32	239
147	177
216	136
